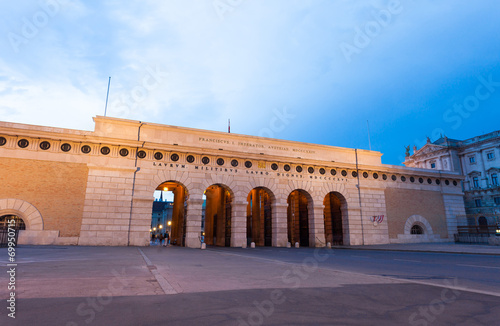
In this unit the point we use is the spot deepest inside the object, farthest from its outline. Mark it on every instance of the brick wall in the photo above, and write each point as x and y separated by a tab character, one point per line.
56	189
403	203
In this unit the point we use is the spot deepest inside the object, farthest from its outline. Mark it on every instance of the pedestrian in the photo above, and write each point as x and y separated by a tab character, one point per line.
167	239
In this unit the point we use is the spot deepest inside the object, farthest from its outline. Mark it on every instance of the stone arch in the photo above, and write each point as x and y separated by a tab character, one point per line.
30	215
266	183
336	217
180	177
305	186
335	188
419	220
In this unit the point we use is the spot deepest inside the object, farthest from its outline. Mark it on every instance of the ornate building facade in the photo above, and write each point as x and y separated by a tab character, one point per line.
478	160
76	187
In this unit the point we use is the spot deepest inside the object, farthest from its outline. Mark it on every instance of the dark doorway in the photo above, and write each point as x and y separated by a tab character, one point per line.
298	218
334	232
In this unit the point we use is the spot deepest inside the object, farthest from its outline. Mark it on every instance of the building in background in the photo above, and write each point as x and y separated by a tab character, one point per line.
478	160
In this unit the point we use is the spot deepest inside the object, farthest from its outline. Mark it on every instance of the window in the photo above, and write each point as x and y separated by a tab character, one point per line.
416	229
18	225
472	159
490	155
494	179
475	182
433	165
477	202
497	200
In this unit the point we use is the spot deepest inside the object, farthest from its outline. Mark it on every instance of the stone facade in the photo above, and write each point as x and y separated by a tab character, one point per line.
478	160
96	188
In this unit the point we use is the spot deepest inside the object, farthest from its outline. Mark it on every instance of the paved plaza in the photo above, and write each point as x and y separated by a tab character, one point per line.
66	285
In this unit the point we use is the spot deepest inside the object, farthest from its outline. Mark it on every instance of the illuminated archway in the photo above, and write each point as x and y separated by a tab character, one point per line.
298	217
259	217
217	216
335	209
169	213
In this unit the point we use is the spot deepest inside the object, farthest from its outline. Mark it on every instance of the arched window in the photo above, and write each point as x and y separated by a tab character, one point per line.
416	229
18	225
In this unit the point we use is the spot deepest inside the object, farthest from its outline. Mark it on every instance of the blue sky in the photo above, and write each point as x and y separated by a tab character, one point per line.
305	70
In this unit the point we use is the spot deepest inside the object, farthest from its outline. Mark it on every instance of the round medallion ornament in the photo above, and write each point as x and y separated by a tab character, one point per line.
310	169
365	175
220	161
124	152
248	164
3	141
65	147
421	180
141	154
105	150
286	167
333	172
354	174
234	163
322	171
429	181
274	166
298	168
455	183
344	173
86	149
403	178
412	179
190	158
384	176
23	143
158	156
45	145
447	182
375	176
438	182
174	157
205	160
394	178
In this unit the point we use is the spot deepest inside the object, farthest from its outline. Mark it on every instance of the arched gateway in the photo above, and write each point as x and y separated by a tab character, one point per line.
228	189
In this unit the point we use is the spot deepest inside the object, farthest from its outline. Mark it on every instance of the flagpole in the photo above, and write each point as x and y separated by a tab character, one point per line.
107	96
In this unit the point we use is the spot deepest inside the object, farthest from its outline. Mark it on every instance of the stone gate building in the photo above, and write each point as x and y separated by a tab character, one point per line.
75	187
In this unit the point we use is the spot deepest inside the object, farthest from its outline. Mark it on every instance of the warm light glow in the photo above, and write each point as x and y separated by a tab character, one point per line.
150	230
169	223
165	188
161	226
154	229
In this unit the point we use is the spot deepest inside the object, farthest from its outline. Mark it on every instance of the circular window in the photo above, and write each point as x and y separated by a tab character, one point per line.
322	171
344	173
455	182
65	147
205	160
158	156
174	157
438	182
354	174
86	149
310	169
23	143
274	166
124	152
417	229
394	178
141	154
447	182
420	180
248	164
286	167
3	141
234	163
220	161
365	175
403	178
429	181
333	172
384	176
45	145
412	179
190	158
298	168
375	176
105	150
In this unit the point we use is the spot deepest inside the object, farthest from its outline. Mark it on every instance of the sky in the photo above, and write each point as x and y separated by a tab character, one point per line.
316	71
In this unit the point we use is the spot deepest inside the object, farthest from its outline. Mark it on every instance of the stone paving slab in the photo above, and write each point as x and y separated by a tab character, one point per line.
449	247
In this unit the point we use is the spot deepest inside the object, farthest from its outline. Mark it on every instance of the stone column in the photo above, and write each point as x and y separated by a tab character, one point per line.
239	224
317	227
280	224
193	222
